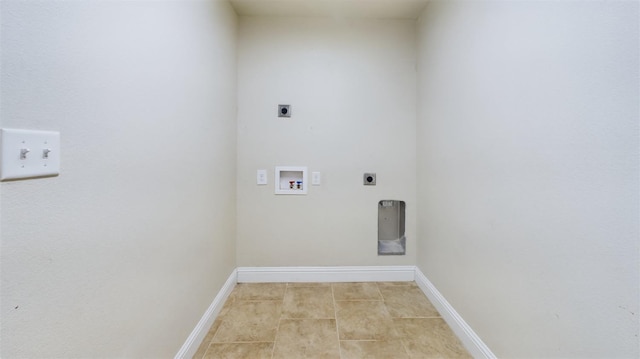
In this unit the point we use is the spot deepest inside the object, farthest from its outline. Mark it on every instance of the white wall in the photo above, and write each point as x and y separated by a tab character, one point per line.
528	172
352	86
122	253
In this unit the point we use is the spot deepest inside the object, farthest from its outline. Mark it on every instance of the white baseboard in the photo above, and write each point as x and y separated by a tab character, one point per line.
463	331
190	347
326	274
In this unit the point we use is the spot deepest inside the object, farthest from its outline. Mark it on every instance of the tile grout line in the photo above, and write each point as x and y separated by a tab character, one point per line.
384	305
335	314
400	337
213	338
208	347
231	299
363	340
380	293
275	339
393	324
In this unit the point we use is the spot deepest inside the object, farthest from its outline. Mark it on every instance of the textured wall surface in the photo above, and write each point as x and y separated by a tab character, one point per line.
528	172
525	161
352	87
122	253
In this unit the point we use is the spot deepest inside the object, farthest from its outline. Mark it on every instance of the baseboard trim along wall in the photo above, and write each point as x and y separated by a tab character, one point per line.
190	347
467	336
326	274
463	331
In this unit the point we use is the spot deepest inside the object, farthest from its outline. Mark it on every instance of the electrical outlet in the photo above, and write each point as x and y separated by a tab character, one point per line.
369	179
284	110
262	177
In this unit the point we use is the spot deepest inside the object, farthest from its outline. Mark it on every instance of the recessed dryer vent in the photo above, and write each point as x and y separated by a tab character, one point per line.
391	222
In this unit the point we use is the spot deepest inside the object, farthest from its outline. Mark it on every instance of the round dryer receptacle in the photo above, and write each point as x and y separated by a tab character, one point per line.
369	179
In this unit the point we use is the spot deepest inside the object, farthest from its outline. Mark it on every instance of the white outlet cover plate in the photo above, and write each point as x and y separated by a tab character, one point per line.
41	160
261	177
315	178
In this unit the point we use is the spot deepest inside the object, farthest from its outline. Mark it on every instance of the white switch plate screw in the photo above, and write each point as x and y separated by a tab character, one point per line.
29	154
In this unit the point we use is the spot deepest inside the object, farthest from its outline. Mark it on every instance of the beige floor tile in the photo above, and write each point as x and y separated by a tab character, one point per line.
388	349
226	307
239	351
251	321
364	320
371	320
202	348
259	291
207	339
308	284
308	302
356	291
429	338
407	302
307	338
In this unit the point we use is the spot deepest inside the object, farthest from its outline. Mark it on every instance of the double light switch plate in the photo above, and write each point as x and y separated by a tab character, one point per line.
29	154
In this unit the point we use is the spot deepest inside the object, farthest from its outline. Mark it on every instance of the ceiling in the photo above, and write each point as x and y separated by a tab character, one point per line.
380	9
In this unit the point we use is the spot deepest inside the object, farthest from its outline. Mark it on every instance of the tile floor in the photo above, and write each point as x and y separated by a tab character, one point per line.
329	320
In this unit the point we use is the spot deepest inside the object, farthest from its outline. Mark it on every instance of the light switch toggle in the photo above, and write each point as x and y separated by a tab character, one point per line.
23	153
45	153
